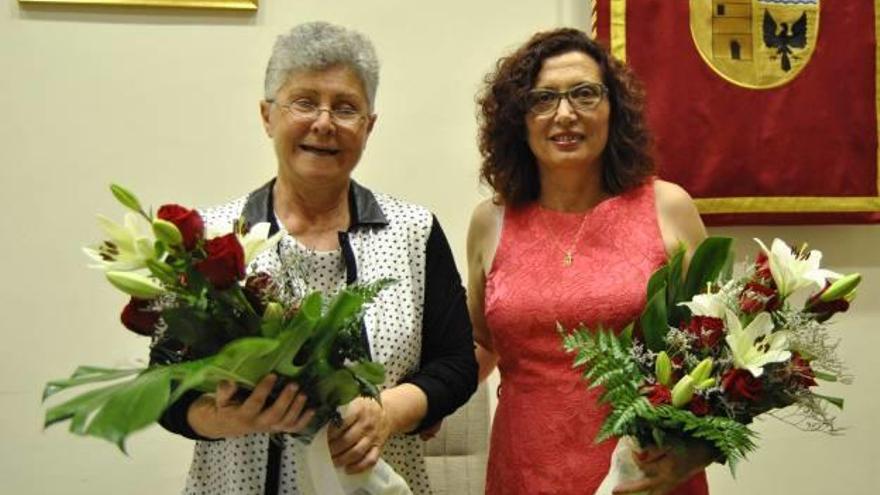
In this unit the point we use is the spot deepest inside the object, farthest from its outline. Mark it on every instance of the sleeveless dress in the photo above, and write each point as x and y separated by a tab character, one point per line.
546	420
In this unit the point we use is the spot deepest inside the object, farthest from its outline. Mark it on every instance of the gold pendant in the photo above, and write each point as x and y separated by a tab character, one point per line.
568	259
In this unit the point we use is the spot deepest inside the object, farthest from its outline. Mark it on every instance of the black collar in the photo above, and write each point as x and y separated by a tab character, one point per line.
364	210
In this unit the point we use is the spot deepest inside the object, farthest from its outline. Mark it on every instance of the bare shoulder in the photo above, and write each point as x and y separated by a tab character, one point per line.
678	217
672	197
486	215
484	233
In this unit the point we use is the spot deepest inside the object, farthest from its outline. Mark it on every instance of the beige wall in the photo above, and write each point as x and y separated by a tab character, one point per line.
166	102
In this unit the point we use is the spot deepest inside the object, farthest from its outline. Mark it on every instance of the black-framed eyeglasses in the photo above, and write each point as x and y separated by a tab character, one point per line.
582	97
305	110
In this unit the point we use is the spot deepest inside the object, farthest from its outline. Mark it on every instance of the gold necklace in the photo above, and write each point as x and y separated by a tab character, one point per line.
567	254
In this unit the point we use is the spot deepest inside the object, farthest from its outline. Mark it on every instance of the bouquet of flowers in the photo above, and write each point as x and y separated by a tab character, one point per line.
212	321
710	352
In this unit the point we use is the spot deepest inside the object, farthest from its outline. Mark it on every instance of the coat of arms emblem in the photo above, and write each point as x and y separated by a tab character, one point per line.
755	43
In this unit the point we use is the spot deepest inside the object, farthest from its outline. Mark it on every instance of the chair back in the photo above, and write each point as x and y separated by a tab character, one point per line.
456	457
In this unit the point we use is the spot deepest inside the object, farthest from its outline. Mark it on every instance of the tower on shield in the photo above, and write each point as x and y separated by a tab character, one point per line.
732	29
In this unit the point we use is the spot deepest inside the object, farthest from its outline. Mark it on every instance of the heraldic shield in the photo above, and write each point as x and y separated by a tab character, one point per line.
755	43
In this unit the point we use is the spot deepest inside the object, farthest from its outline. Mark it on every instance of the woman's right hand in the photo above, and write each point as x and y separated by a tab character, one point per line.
220	415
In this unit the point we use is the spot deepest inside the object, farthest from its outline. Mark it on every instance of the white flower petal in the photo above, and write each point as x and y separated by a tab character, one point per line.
732	322
791	273
255	241
762	325
772	348
131	248
119	235
756	371
706	305
778	341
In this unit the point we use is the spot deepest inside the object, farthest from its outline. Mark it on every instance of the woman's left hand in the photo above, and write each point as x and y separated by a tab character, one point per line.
358	443
666	468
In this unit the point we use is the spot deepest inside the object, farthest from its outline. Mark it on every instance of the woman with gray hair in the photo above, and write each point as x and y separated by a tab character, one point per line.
318	110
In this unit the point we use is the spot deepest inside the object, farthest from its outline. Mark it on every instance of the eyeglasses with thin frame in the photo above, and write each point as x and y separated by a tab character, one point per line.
306	111
582	97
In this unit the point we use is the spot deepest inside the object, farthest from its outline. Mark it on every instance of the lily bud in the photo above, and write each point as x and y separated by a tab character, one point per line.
835	298
707	383
663	368
161	270
274	312
126	198
135	284
273	317
841	287
167	232
683	391
701	372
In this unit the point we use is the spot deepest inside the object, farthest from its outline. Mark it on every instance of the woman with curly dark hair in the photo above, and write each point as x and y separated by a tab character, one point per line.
576	227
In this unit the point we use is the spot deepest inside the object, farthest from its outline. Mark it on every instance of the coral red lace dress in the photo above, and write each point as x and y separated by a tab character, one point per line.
546	420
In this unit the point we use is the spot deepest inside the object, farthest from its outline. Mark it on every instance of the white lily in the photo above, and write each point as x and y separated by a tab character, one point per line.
257	240
706	305
127	249
756	345
792	272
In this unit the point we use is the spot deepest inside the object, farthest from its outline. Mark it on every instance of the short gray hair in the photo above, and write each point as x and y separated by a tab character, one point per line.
320	45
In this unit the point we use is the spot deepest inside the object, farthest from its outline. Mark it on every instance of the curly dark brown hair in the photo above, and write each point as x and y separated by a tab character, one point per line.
509	166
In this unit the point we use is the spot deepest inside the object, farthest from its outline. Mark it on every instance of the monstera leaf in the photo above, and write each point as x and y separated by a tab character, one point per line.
668	288
303	350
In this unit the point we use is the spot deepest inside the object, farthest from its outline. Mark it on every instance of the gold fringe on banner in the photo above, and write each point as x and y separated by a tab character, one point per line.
594	20
618	29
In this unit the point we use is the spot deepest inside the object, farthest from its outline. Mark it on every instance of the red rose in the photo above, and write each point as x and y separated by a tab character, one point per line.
762	267
188	222
707	329
224	265
260	284
740	385
139	318
756	297
258	289
698	405
801	371
658	394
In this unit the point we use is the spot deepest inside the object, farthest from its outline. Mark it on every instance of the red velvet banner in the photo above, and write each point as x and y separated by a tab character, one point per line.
764	110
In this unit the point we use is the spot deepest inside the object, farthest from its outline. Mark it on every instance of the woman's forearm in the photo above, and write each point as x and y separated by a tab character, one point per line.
405	406
486	360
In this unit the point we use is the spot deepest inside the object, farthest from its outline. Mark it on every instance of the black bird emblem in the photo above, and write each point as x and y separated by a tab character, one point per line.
782	40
